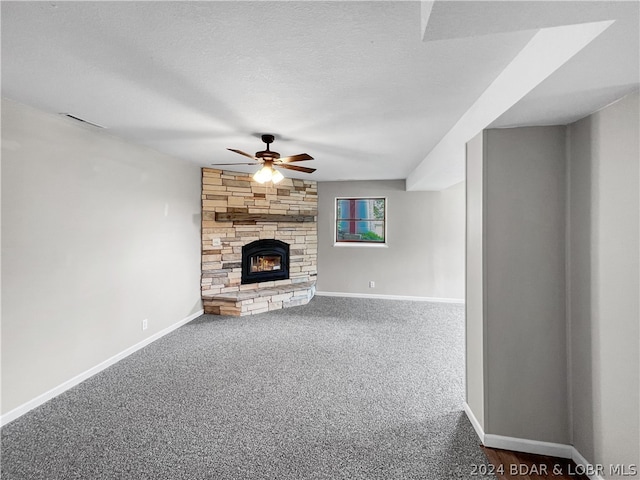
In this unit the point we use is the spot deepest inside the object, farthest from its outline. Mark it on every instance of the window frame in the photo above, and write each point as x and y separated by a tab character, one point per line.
360	243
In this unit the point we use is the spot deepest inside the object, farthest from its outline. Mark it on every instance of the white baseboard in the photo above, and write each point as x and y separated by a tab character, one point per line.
54	392
589	469
536	447
474	422
390	297
531	446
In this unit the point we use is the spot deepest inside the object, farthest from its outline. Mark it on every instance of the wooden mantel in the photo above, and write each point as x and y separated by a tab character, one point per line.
263	217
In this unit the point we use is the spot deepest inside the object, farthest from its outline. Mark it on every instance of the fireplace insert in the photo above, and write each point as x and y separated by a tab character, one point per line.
265	260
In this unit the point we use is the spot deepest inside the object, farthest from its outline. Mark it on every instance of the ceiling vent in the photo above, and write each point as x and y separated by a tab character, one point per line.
78	119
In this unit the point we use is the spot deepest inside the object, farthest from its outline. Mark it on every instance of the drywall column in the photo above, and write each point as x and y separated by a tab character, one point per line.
525	283
522	258
474	281
604	285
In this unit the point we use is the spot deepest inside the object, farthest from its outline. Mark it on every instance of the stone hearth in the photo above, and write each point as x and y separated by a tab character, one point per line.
237	211
259	300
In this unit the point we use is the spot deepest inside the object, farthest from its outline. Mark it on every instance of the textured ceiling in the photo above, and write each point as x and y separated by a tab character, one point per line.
358	85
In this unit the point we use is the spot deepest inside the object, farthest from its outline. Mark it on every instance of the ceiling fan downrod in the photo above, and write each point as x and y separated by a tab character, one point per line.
268	139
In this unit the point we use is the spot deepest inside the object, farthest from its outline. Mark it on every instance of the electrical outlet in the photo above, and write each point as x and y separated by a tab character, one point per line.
144	324
372	284
216	242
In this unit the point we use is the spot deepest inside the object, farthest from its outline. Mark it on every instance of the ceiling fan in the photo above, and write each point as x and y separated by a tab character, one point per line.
270	159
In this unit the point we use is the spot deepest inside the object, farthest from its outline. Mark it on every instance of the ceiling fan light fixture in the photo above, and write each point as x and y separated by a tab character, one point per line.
268	174
263	175
277	177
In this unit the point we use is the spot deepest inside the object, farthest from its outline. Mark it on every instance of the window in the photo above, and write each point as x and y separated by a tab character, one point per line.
361	220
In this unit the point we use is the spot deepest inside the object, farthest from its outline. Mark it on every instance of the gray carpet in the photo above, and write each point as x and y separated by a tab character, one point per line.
337	389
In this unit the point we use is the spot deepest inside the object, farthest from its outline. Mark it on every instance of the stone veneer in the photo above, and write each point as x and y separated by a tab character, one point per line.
229	192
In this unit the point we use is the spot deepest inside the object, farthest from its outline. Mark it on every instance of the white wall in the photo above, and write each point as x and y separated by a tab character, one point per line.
425	236
97	235
604	284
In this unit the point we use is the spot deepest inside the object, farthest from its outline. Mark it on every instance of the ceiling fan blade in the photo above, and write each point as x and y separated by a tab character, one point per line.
296	168
233	163
242	153
295	158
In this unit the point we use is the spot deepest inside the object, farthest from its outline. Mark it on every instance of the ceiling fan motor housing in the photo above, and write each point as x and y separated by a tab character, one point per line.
268	155
266	138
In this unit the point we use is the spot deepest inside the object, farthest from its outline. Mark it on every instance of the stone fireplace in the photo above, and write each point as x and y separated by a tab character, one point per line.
276	226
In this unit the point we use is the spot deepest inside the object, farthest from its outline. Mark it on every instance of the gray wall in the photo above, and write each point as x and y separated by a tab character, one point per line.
431	223
474	300
553	227
96	235
523	287
603	273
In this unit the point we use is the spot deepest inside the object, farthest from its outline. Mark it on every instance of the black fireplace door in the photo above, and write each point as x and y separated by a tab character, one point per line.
264	261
